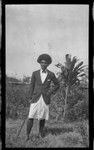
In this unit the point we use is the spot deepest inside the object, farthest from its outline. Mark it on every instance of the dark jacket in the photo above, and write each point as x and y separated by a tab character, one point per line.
37	87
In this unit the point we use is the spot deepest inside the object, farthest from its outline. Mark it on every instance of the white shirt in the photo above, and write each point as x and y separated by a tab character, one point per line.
43	75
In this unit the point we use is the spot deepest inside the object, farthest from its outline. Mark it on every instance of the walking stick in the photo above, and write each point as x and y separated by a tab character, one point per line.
21	128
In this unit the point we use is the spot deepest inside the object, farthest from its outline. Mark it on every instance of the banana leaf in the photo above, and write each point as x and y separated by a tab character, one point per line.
77	67
73	62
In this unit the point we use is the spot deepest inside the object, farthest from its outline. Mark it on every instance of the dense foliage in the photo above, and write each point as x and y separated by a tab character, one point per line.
17	102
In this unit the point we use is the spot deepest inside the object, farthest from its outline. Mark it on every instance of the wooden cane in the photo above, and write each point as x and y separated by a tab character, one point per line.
20	129
22	124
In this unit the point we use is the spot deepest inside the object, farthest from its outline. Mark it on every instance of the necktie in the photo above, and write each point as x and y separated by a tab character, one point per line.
44	71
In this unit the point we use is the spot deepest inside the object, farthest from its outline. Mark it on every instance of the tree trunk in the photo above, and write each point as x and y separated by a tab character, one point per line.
65	107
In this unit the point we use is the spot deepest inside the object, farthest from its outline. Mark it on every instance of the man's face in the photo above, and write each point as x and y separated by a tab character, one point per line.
43	64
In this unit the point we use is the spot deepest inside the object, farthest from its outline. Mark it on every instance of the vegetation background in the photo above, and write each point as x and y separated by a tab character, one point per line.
68	122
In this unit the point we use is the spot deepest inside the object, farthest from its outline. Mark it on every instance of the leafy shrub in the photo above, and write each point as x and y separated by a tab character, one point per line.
81	109
16	95
11	111
77	105
70	116
78	112
77	95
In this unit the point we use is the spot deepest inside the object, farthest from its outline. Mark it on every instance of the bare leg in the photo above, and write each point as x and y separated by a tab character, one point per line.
41	126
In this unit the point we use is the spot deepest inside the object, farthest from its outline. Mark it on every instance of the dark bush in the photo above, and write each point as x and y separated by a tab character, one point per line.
16	95
81	109
77	95
78	112
70	116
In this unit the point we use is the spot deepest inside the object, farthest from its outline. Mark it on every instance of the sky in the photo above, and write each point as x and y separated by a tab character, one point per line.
53	29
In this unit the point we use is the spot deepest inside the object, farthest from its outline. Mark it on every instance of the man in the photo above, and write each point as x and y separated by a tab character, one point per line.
40	94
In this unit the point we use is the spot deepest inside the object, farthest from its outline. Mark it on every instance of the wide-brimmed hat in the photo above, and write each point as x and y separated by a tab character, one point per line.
45	57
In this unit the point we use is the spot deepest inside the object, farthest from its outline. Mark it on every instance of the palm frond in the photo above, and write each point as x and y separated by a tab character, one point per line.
68	61
74	73
73	62
77	67
74	82
68	57
71	73
81	75
81	68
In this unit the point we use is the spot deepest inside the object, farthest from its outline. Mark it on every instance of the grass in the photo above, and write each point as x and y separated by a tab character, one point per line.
57	135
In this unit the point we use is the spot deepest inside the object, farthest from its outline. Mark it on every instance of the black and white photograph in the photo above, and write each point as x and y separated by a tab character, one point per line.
47	70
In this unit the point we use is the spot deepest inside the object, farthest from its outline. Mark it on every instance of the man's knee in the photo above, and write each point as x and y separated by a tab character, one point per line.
30	121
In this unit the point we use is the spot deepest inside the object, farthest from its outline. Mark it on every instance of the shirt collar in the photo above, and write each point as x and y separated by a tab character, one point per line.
42	70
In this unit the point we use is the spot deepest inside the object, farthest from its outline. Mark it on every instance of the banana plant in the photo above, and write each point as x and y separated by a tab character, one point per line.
70	74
